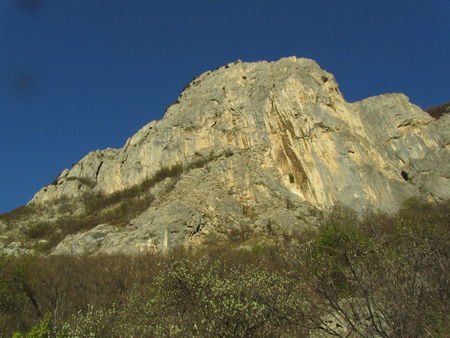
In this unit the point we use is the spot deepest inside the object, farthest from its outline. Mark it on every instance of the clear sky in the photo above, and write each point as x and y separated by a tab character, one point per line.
81	75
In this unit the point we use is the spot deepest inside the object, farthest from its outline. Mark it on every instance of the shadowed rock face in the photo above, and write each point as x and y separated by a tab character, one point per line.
293	144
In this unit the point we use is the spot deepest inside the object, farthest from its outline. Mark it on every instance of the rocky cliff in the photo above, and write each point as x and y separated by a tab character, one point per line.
265	145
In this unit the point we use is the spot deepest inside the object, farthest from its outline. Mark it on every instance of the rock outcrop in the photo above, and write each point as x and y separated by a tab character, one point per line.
281	143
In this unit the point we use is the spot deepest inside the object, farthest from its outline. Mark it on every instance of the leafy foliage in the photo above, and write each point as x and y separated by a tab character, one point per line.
40	330
379	275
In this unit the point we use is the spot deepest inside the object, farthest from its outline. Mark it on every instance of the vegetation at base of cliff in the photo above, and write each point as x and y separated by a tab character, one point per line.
21	212
379	276
117	208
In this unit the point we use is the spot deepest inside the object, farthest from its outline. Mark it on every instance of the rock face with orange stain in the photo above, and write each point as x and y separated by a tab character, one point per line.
293	146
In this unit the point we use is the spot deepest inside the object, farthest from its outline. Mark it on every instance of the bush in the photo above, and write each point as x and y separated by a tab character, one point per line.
40	330
38	230
438	111
19	213
82	180
117	208
394	284
366	277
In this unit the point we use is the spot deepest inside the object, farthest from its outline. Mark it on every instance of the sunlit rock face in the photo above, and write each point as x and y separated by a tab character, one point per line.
292	144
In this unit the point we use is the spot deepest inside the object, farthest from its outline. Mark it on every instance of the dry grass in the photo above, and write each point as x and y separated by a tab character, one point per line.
117	208
396	267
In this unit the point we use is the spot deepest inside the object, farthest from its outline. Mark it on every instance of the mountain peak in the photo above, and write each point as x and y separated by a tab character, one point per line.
260	144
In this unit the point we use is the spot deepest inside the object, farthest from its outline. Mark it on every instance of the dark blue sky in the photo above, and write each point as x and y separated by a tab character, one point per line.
81	75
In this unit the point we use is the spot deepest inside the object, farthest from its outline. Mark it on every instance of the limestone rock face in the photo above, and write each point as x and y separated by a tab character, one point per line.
290	144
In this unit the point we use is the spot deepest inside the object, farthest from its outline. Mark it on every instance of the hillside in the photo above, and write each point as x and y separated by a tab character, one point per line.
266	146
376	276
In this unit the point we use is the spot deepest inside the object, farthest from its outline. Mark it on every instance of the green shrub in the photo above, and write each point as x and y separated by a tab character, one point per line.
369	276
19	213
40	330
393	279
172	171
83	180
38	230
94	322
199	163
